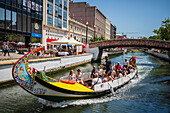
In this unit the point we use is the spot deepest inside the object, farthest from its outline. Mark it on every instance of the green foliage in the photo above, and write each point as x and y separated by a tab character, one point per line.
163	33
144	38
97	39
35	40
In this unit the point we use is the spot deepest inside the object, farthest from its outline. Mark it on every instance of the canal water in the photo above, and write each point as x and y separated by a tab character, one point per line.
149	92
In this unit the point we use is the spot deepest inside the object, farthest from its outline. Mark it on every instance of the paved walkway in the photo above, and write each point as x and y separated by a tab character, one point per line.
6	63
7	60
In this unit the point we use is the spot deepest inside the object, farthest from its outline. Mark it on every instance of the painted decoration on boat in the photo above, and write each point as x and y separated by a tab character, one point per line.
22	72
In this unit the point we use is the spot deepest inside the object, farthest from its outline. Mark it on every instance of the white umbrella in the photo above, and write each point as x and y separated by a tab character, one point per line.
63	40
72	41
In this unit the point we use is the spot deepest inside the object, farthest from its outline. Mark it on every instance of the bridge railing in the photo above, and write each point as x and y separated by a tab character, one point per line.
132	43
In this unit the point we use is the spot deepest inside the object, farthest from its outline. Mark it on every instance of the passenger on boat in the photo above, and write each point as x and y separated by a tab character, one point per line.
113	74
113	67
124	71
128	70
101	68
132	61
94	71
125	63
96	80
131	69
99	71
104	69
105	78
109	77
72	76
118	67
79	77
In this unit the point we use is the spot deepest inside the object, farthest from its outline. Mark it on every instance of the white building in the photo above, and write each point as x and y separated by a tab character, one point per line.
107	29
55	20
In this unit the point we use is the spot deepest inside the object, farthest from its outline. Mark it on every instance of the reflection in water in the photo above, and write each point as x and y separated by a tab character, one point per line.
146	93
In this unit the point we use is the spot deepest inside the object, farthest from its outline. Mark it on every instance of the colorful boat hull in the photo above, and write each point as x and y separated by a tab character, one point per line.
57	91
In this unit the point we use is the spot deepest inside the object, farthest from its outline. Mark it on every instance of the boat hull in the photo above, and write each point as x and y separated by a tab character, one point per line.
58	91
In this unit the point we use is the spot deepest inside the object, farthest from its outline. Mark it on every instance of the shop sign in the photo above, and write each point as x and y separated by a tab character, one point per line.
36	35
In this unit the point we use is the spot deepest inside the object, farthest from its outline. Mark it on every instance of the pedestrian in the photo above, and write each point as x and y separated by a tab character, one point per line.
6	50
3	48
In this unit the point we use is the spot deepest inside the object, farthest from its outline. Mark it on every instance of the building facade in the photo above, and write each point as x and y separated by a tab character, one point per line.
55	20
22	18
77	30
107	29
83	12
112	31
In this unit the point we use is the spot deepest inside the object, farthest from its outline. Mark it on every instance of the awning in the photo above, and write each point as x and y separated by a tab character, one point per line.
50	40
63	40
72	41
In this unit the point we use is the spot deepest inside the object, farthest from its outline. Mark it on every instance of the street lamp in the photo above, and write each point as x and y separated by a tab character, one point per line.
94	32
86	31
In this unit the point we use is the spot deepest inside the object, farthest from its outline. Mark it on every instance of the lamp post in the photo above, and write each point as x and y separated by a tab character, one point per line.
94	32
86	31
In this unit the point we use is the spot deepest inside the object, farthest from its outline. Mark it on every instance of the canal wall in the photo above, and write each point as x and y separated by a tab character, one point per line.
49	65
159	55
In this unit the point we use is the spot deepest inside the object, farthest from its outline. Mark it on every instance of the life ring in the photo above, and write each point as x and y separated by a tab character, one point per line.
68	81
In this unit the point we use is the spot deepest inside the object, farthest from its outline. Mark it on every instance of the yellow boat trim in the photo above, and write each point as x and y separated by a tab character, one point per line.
73	87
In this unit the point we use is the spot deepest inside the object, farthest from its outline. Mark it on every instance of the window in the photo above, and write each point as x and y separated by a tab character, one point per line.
59	11
65	15
2	18
57	2
55	22
25	3
64	24
65	4
8	2
49	20
60	2
59	23
49	8
56	11
8	19
14	20
24	22
71	26
50	1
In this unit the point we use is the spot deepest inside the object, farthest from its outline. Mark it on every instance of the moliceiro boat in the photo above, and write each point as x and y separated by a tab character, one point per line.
39	84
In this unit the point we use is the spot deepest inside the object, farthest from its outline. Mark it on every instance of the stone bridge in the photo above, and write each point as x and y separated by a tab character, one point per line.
143	43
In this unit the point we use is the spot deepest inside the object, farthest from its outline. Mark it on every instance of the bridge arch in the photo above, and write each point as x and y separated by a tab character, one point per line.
143	43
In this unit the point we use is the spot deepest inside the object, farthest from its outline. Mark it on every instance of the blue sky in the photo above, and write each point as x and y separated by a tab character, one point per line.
134	17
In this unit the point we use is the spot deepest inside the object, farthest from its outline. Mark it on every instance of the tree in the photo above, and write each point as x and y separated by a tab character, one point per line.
144	38
163	33
102	38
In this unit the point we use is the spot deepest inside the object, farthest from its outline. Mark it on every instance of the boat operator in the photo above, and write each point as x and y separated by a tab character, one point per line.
108	64
132	61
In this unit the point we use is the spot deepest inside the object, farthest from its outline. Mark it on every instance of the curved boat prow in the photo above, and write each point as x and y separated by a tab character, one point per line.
21	72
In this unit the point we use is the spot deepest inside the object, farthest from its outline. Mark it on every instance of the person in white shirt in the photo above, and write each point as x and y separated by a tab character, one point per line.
79	77
125	63
131	69
96	80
